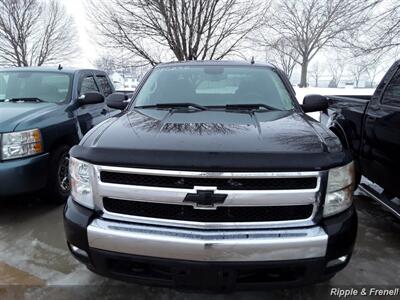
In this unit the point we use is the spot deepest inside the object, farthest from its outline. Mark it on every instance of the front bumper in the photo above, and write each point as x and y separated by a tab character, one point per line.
209	259
207	246
22	176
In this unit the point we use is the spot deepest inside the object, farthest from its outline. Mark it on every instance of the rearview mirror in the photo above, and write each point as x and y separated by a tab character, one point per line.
314	103
91	98
117	101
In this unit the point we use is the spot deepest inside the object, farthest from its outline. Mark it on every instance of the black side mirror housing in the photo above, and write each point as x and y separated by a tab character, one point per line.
313	103
117	101
91	98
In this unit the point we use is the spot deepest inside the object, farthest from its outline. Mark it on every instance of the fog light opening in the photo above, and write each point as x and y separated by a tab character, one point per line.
78	251
338	261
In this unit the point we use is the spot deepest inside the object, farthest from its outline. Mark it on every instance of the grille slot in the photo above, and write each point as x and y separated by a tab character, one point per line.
220	183
221	214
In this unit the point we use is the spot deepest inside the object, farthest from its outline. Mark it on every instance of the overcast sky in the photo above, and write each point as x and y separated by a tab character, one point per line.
88	48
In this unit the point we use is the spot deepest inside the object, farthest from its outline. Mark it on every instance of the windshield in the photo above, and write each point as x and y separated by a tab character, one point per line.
215	86
45	86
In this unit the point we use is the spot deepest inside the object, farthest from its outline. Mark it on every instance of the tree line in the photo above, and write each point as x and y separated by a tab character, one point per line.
291	32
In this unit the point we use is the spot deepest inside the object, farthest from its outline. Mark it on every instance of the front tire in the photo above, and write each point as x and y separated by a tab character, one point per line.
58	187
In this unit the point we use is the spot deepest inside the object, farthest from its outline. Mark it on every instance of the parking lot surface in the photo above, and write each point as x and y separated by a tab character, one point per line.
36	264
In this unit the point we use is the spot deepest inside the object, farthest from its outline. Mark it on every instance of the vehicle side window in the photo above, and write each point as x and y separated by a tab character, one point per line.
392	92
88	84
105	85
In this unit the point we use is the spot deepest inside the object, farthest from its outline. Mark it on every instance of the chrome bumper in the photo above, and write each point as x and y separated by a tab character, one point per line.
207	246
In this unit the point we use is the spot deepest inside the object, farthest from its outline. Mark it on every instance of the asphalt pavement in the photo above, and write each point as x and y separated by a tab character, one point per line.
36	264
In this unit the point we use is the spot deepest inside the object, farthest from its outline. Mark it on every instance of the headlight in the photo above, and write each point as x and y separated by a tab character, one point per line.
340	189
21	144
80	177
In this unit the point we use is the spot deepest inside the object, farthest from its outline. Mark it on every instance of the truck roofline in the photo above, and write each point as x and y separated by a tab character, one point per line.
214	63
49	69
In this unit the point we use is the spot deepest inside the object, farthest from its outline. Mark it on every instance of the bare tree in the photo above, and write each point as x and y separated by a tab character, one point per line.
367	65
315	72
107	63
357	69
33	32
281	54
336	69
374	68
156	30
311	25
372	73
383	32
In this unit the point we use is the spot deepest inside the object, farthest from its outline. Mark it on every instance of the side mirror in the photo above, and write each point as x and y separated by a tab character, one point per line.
117	101
91	98
314	103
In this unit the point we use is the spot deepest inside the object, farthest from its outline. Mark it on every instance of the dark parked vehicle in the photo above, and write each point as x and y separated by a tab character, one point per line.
43	113
370	128
213	177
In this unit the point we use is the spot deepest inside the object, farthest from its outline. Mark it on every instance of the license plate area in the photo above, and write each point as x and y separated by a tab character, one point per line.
204	278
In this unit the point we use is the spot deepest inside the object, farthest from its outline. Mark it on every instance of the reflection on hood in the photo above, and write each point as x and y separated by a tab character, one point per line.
190	122
218	131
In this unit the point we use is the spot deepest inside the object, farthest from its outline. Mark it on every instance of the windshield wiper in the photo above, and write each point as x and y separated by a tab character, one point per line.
174	105
249	107
32	99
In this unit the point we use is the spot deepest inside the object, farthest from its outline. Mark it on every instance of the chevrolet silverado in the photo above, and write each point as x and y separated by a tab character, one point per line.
212	178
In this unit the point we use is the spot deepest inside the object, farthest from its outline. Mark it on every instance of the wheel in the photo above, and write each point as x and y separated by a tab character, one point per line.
58	188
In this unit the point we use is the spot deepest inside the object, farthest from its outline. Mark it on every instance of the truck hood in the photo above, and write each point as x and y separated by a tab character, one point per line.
150	135
13	114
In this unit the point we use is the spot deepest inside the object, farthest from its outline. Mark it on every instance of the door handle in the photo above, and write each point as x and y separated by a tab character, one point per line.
104	111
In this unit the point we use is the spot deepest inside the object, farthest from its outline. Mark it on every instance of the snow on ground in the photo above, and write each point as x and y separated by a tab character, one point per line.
302	92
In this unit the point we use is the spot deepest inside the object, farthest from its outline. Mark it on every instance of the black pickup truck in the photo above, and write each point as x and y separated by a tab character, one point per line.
213	177
370	128
43	113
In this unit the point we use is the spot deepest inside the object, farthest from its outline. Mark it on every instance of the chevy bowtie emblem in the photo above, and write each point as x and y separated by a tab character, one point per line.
205	198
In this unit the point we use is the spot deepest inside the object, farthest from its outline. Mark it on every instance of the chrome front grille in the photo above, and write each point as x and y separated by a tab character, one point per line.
250	200
181	182
219	214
